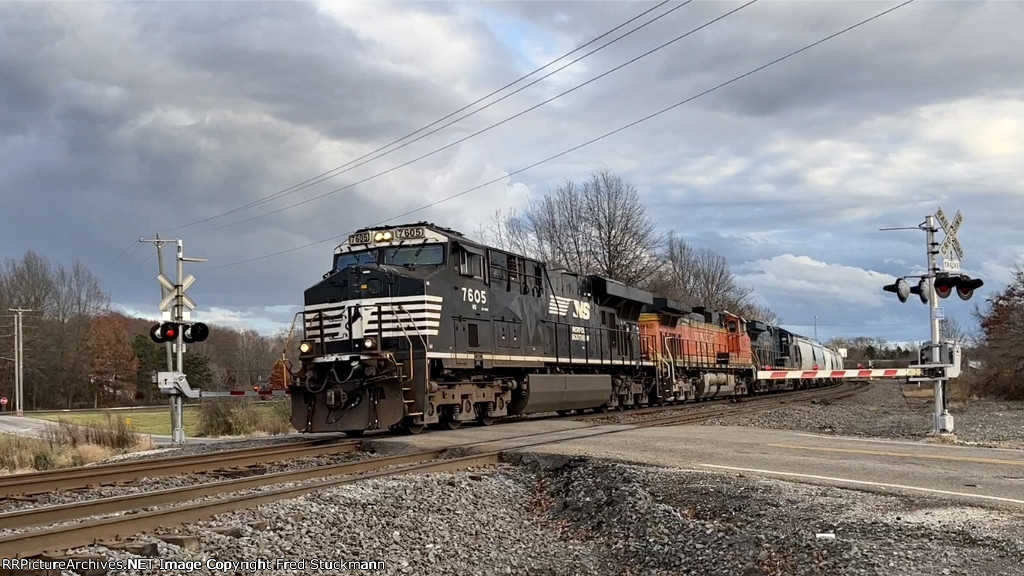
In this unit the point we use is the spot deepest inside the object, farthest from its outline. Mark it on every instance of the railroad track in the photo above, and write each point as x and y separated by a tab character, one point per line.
120	472
24	486
223	496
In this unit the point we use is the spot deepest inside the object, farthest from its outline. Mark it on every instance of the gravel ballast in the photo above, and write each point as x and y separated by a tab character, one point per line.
560	515
882	411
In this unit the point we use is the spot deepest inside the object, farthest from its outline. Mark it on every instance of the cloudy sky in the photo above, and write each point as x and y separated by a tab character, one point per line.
119	120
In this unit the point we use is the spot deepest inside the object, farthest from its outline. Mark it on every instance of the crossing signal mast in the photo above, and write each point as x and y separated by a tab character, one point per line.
177	329
944	358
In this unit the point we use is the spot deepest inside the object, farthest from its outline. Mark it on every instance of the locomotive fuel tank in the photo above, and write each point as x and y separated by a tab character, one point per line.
554	392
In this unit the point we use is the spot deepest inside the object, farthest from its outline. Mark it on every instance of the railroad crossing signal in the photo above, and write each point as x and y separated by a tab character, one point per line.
176	329
174	292
166	332
195	333
951	242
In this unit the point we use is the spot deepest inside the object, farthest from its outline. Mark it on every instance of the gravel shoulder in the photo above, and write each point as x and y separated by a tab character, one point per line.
562	515
882	411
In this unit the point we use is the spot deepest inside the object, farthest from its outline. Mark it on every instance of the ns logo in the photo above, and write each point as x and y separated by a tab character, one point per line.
560	306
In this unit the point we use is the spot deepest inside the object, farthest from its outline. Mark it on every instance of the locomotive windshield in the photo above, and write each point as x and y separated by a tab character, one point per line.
355	259
422	255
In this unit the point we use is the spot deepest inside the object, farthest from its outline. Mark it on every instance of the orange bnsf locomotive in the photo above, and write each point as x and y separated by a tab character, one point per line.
418	325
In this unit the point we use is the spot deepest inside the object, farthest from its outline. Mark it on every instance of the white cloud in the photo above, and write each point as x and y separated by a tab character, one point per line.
788	277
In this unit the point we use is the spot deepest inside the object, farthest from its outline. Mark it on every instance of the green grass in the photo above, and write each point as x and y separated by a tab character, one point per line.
142	420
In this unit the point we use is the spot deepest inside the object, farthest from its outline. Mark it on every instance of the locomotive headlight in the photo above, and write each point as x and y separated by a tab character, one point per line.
378	236
306	347
387	235
369	343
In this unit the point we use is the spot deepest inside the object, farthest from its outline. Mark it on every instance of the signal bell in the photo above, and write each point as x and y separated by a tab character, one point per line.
166	332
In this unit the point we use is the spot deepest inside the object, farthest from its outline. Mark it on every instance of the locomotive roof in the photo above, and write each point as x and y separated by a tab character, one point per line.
441	229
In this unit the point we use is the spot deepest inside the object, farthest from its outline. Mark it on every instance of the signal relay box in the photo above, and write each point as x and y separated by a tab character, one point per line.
948	366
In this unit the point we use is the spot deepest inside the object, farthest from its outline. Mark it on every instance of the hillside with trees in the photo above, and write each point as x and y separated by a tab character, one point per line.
80	353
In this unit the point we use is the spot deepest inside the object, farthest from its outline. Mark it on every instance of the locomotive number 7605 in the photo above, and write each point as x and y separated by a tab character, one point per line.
475	296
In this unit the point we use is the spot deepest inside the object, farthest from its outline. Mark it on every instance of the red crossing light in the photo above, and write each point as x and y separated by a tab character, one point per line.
165	332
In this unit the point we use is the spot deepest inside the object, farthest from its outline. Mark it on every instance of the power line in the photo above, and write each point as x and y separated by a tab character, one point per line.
588	142
334	171
488	128
131	255
119	255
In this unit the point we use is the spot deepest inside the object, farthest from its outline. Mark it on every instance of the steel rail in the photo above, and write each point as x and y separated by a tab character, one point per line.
78	534
82	476
74	535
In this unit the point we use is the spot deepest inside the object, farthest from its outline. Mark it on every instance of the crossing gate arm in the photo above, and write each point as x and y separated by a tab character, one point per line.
838	374
237	393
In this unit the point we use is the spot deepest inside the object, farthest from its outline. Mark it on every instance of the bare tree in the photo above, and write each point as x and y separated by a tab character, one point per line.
624	239
507	231
950	329
703	278
77	299
762	313
599	226
558	229
256	356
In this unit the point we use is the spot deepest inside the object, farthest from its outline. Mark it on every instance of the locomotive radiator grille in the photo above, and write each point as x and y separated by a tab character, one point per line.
387	317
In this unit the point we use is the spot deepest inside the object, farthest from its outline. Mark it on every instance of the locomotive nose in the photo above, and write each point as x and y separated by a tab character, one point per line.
365	282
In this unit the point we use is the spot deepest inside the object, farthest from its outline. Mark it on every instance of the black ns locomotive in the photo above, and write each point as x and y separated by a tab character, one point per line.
416	325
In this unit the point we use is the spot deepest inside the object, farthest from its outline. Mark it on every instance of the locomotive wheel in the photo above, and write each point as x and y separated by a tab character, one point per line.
449	424
485	420
354	433
412	429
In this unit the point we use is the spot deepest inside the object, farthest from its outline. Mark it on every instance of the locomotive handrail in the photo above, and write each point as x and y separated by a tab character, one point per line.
412	358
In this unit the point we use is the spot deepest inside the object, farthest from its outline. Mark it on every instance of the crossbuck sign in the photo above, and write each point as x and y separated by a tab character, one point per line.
950	245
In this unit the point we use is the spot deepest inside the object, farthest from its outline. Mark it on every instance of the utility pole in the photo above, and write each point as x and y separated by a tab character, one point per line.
815	327
19	360
943	421
159	243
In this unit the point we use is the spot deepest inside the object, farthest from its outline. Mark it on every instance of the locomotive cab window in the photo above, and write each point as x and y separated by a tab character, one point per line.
422	255
471	261
342	261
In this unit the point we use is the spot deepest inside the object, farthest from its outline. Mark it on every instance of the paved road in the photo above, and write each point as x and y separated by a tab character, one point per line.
23	426
33	427
968	474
